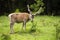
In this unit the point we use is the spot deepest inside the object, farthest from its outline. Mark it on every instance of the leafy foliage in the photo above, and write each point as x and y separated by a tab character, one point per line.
37	5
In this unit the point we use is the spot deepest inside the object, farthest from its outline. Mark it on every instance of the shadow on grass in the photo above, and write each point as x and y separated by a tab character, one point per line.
5	37
32	30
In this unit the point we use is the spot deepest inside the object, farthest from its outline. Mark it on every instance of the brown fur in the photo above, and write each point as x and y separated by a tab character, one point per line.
20	17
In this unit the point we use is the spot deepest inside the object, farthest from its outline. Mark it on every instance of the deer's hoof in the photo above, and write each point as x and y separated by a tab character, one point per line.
11	32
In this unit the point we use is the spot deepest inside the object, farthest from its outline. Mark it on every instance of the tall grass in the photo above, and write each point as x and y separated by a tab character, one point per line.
43	28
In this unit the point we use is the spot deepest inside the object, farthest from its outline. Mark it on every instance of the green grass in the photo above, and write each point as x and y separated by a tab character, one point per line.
44	28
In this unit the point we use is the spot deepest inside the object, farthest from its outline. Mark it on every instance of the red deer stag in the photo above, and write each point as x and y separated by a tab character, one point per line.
20	17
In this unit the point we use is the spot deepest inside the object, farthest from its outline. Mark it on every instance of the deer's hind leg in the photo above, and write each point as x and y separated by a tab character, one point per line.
11	26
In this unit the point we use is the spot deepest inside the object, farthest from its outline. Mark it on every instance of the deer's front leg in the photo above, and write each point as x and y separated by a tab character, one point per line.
11	27
24	25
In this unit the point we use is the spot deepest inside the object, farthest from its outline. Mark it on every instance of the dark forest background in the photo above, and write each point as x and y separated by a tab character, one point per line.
49	7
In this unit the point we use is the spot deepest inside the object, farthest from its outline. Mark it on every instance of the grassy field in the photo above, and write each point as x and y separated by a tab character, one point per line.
44	28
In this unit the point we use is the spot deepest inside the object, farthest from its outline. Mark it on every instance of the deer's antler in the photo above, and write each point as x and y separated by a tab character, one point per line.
29	9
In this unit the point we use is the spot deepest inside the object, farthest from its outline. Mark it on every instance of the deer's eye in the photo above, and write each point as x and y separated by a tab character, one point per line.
32	16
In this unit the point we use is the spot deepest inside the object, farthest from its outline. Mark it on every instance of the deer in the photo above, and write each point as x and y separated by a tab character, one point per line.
21	17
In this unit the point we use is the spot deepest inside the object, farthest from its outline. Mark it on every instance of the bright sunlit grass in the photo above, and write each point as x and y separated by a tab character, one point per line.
44	28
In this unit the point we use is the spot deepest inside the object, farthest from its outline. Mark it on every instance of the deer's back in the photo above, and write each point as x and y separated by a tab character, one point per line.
20	17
